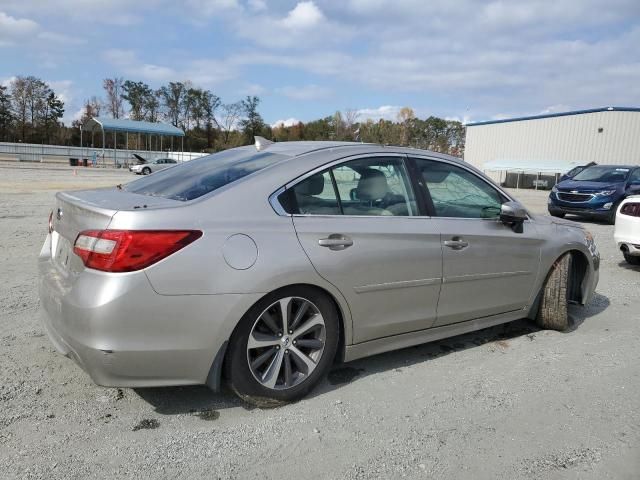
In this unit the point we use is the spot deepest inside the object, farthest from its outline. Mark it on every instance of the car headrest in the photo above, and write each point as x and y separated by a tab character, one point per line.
311	186
372	185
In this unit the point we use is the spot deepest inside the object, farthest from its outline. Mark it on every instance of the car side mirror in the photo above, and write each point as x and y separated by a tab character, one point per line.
514	215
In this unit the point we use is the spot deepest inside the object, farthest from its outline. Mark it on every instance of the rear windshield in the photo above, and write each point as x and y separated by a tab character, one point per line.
603	174
198	177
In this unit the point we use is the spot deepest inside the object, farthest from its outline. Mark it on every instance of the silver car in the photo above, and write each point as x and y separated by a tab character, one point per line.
152	166
263	265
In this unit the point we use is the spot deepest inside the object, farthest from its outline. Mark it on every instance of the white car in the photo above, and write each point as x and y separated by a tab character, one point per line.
627	230
152	166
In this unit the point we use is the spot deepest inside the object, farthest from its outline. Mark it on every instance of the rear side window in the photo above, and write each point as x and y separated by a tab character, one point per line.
365	187
198	177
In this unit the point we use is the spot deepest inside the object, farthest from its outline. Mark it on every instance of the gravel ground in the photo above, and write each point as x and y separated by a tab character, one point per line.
508	402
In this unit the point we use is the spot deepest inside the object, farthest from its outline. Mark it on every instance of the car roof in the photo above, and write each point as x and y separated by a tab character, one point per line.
297	149
630	167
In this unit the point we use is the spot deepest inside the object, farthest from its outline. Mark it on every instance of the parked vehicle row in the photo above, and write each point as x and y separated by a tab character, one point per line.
264	265
595	192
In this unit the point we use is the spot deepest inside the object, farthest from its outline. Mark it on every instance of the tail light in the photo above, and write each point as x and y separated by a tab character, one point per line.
51	222
632	209
129	250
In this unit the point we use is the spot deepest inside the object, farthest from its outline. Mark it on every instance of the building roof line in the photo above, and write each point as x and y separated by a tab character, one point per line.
559	114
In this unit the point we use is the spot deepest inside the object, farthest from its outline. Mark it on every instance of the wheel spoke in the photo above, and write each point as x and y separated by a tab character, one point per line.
299	314
313	343
262	358
285	308
270	376
288	375
268	319
304	363
261	340
313	321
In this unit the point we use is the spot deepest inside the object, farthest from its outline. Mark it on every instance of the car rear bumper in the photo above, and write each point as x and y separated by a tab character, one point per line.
627	234
122	333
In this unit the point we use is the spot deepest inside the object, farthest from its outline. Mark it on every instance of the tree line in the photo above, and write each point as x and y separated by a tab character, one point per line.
30	111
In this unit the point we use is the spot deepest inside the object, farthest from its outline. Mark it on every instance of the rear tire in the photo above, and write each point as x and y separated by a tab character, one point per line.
553	314
631	259
243	364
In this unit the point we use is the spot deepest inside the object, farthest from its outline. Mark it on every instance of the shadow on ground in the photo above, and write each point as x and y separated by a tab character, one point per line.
627	266
198	400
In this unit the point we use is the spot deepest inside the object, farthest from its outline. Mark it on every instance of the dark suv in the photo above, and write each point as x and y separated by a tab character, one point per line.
595	192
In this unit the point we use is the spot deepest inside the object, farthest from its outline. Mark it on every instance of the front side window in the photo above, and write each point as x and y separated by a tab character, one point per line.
456	192
364	187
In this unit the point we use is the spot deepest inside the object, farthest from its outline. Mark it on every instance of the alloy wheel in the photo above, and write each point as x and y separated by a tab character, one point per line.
286	343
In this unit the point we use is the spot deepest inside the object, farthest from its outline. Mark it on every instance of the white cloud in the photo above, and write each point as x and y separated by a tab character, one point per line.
304	15
303	27
385	112
201	72
306	92
13	29
285	123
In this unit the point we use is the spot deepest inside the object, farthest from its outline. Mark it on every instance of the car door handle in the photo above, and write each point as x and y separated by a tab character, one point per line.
456	243
335	241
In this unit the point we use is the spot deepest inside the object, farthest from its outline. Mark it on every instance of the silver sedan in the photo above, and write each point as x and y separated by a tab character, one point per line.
152	166
264	265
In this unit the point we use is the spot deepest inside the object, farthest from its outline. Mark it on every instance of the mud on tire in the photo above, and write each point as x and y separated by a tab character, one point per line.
553	314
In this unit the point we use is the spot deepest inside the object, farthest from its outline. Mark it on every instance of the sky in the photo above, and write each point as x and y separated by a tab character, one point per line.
459	59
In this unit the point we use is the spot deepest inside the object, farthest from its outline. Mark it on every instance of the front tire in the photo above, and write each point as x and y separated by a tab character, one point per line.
146	171
283	346
553	314
557	214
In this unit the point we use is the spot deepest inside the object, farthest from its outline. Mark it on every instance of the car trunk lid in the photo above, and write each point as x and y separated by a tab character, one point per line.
75	212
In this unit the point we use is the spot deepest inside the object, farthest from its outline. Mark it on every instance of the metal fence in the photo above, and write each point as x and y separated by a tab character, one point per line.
31	152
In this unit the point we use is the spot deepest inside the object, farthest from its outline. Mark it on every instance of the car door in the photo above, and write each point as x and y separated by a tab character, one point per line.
488	268
160	164
358	223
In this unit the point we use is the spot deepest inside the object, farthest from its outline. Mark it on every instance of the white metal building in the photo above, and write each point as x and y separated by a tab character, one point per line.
548	145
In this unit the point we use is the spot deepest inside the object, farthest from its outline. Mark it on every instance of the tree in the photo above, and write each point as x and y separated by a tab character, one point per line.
114	89
252	124
152	106
137	94
53	112
228	121
209	103
6	117
350	121
171	97
29	96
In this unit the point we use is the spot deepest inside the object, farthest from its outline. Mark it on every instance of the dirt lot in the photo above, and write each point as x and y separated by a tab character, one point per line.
505	403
